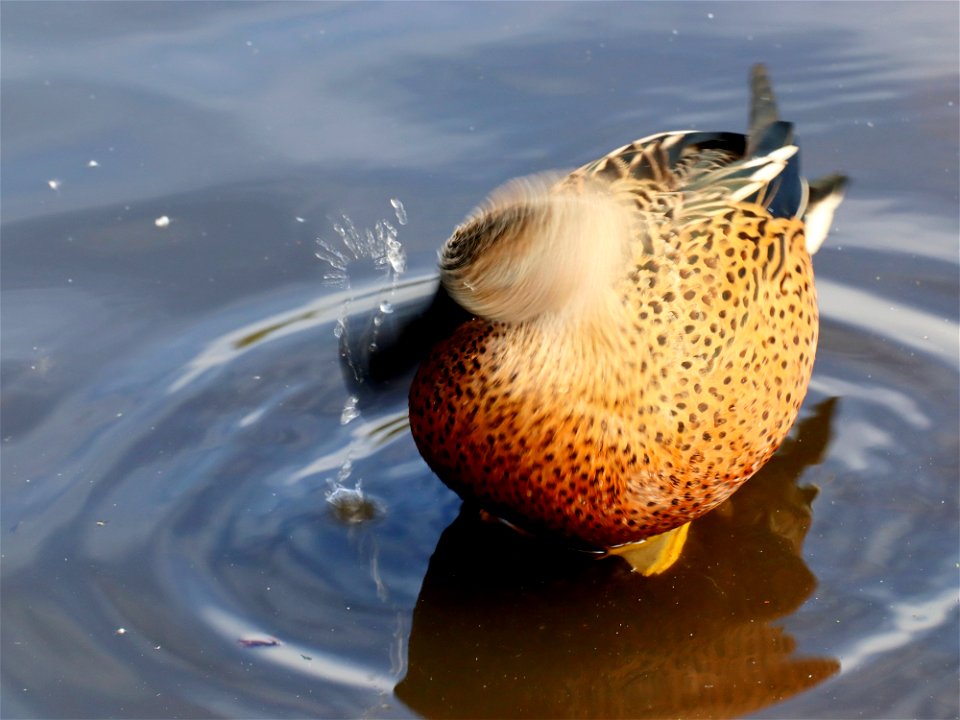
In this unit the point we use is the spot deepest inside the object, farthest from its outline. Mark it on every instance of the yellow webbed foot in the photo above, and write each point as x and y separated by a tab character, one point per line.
656	554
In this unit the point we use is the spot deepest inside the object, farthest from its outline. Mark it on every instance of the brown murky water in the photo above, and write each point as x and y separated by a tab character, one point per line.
177	415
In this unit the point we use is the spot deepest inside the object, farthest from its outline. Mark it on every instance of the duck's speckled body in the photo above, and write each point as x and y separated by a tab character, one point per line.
644	332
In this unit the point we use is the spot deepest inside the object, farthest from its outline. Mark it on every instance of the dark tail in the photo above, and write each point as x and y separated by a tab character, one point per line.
763	104
767	131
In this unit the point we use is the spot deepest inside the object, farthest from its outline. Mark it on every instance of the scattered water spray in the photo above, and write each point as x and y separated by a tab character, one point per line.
399	210
381	247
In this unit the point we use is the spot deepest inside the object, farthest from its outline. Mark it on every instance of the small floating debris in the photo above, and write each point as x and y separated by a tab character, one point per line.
259	642
54	184
121	631
101	523
162	221
93	164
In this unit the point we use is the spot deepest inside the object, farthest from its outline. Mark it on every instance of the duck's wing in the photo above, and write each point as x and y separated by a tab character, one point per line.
694	175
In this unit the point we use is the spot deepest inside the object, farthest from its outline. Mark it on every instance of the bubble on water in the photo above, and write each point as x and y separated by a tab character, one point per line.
399	210
350	411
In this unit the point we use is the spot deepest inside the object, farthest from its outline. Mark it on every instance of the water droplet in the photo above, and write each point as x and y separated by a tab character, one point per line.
399	210
396	257
386	307
350	411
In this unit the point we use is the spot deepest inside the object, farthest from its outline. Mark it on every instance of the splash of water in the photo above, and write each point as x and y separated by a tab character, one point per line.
350	505
380	247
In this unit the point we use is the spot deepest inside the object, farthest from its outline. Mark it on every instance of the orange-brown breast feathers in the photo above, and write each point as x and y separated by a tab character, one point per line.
611	433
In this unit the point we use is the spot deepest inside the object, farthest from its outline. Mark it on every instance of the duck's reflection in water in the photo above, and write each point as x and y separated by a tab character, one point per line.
506	626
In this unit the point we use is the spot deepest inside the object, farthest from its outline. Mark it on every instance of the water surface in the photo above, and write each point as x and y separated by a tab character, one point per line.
176	411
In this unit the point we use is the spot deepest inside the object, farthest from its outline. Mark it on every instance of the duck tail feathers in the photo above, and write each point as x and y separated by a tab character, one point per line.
825	195
763	108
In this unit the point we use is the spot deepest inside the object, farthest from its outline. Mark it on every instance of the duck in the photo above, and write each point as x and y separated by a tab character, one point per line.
638	336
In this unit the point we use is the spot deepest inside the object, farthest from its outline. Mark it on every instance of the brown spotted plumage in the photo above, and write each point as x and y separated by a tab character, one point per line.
643	335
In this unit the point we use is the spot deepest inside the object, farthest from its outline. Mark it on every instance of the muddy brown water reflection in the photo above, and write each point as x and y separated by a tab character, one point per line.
176	409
